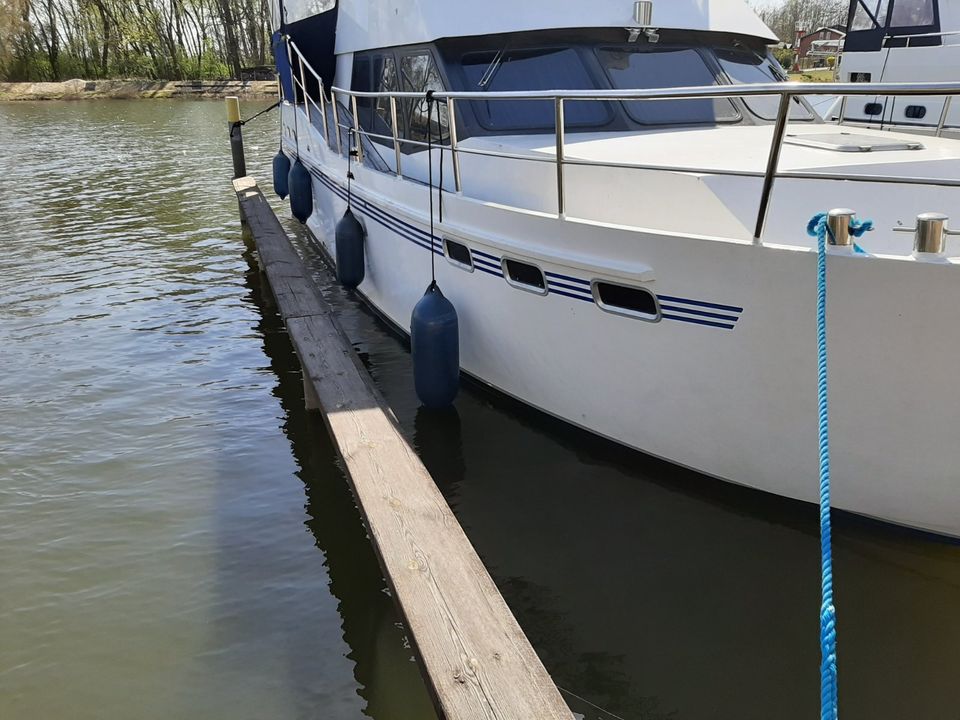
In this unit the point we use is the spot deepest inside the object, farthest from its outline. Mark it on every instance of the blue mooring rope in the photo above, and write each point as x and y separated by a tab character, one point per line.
818	228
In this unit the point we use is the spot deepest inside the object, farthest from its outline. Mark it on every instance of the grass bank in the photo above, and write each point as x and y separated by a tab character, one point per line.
125	89
824	75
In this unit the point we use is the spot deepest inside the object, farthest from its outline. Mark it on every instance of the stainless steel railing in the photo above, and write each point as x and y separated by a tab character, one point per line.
786	91
903	36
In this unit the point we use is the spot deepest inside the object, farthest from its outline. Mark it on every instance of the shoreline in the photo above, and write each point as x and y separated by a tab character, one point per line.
137	89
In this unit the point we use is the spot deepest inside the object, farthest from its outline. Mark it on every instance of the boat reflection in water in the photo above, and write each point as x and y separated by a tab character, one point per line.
649	590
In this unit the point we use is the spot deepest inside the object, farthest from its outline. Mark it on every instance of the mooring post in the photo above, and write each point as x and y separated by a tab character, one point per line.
236	137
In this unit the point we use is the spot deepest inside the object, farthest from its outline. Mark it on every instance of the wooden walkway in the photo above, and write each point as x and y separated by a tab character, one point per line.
475	658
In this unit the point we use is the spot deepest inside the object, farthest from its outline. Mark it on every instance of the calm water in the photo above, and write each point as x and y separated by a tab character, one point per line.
177	538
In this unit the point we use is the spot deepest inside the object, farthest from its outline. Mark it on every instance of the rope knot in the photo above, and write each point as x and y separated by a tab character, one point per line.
819	227
858	227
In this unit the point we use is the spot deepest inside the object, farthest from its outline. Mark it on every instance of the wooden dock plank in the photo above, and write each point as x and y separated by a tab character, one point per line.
475	657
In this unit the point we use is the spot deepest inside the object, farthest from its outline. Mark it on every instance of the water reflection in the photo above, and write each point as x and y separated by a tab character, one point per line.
388	678
655	592
159	560
179	539
438	440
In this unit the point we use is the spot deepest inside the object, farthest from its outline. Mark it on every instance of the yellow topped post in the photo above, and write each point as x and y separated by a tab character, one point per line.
236	137
233	109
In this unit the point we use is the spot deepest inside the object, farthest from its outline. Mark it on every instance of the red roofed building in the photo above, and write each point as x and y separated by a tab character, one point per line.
815	47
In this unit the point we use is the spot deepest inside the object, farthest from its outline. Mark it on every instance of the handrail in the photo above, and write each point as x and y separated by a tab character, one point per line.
941	123
786	91
910	36
793	89
305	63
779	129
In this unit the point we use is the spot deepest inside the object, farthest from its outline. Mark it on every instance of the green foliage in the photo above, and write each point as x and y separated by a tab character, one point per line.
209	66
785	17
154	39
785	57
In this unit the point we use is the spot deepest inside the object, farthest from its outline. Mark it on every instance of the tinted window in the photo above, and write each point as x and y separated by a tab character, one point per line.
419	74
539	69
654	68
459	253
626	299
302	9
361	83
375	73
862	19
743	66
361	74
384	80
909	13
523	274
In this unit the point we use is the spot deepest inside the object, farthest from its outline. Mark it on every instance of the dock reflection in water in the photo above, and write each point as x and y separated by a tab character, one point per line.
178	539
655	592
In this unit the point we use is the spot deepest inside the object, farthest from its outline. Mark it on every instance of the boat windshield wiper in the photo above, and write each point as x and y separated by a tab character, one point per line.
492	68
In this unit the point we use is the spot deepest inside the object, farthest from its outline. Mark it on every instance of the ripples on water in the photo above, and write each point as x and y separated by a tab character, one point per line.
177	540
155	559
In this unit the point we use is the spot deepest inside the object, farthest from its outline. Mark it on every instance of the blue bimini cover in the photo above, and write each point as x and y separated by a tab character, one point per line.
283	65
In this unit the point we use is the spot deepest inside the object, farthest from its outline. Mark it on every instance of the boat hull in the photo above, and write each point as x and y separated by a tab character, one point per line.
725	383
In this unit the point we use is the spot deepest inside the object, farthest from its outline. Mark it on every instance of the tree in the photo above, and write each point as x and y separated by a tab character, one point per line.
164	39
785	57
790	16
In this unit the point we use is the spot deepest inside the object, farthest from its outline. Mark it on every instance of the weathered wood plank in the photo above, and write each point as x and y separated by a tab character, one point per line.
475	657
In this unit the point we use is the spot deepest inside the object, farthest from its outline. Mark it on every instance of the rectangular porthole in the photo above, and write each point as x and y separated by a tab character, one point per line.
626	300
872	109
916	112
458	254
524	276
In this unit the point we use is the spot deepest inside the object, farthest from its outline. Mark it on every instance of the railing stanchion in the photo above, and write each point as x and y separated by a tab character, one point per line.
783	115
303	88
336	120
452	119
357	142
843	109
396	136
323	114
558	108
943	115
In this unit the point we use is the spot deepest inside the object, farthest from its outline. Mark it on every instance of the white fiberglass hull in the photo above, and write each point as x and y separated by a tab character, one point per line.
725	383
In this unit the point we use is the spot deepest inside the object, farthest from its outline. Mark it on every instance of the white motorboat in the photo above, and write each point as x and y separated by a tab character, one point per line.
901	41
622	230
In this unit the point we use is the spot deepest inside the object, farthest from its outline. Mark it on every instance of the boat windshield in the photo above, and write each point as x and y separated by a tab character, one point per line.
745	66
532	69
654	67
523	64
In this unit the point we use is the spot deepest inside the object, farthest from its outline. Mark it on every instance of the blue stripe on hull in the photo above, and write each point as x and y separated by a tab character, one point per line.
665	316
558	283
700	313
701	303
